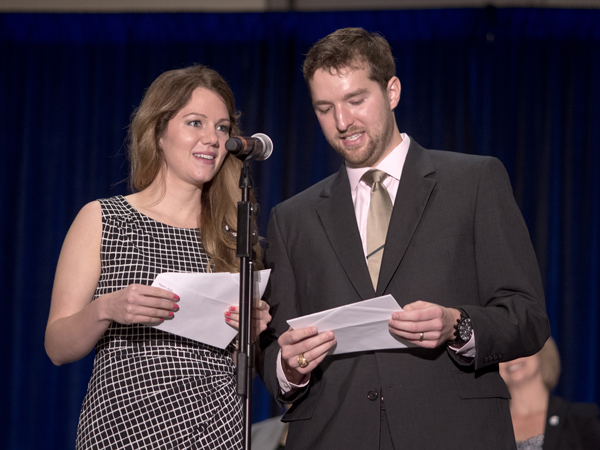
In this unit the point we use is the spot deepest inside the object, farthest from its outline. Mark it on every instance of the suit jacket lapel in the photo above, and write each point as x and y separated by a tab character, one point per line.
412	197
339	221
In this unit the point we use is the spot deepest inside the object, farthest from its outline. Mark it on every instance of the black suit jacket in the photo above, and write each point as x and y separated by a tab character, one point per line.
456	238
571	426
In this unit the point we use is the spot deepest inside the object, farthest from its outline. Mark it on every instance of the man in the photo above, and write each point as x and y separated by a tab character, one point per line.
453	250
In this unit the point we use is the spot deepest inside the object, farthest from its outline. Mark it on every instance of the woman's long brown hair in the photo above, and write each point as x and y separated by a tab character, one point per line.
167	95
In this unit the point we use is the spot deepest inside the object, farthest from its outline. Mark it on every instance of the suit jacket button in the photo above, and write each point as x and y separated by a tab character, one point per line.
486	359
372	395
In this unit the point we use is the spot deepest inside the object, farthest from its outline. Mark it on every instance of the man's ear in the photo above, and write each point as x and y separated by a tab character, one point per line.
393	91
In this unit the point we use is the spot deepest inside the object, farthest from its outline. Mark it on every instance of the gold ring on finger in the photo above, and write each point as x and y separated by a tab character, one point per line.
302	362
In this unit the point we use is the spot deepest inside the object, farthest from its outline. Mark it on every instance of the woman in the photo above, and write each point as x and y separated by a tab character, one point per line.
542	421
152	389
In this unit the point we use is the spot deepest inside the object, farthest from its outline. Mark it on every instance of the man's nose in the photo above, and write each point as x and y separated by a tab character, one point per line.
343	119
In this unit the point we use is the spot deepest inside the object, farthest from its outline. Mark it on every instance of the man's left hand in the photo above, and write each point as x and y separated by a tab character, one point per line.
425	324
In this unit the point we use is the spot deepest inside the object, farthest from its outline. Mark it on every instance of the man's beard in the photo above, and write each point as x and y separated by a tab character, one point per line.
376	146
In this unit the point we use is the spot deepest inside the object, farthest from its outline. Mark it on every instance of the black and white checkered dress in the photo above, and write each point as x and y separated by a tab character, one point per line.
151	389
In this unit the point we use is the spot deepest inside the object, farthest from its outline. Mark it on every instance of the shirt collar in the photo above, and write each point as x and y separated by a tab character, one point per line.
392	164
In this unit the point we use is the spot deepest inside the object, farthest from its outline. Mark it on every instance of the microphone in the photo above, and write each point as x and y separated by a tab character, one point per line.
258	147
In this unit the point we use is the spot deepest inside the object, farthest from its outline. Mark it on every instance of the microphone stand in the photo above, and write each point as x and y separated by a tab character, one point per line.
247	237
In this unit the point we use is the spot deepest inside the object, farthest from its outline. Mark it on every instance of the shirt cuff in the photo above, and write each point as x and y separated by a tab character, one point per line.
468	350
285	386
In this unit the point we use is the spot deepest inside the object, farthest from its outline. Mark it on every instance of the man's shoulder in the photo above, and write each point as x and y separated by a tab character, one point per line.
445	157
451	164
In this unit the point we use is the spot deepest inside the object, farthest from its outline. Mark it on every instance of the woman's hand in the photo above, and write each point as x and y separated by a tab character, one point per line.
138	303
260	317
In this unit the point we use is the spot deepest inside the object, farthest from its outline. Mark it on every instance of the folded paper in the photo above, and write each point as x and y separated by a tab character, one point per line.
358	327
204	298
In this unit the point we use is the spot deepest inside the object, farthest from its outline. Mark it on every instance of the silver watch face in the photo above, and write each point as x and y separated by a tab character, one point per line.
465	329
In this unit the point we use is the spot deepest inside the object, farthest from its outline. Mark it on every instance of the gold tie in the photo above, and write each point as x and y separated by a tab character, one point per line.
378	221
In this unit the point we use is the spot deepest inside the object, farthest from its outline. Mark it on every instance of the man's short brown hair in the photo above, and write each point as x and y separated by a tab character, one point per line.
352	48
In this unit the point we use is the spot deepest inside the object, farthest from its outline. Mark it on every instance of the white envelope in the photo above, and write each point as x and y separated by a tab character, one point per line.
357	327
204	297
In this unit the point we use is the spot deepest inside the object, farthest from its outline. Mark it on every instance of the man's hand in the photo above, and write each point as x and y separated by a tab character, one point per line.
307	342
425	324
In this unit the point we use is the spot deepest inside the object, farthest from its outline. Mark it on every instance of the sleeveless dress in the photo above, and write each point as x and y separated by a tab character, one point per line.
151	389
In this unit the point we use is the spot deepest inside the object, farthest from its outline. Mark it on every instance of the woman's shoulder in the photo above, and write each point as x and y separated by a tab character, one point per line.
118	201
114	206
589	410
558	404
91	213
584	418
102	211
572	425
85	230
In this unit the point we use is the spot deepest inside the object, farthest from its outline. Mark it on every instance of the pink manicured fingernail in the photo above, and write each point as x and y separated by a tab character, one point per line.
227	320
232	308
176	296
171	314
175	306
227	313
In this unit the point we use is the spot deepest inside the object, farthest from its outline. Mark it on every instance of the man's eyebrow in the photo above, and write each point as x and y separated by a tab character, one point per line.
344	98
355	93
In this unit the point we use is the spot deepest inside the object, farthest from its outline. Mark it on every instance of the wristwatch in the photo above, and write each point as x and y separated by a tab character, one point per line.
463	330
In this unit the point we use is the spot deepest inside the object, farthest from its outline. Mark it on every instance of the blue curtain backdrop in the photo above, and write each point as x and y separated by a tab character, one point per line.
519	84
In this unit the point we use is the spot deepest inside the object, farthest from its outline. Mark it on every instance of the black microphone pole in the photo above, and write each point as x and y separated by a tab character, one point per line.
247	237
258	147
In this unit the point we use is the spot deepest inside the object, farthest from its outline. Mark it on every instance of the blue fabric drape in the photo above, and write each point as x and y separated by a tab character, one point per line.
519	84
